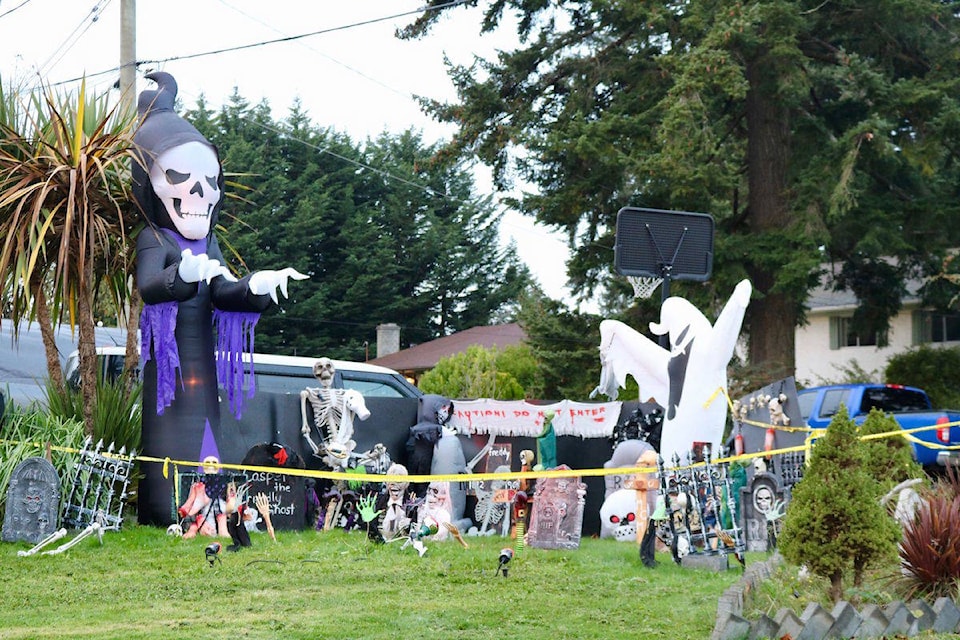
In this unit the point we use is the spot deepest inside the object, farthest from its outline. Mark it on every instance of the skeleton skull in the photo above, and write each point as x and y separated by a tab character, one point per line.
323	370
185	178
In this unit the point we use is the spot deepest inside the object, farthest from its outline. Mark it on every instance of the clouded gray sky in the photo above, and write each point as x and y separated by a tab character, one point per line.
352	75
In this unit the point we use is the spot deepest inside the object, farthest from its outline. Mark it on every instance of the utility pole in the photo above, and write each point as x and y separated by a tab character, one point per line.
128	53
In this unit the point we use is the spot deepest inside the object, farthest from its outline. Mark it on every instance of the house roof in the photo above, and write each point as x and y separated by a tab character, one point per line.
824	298
425	356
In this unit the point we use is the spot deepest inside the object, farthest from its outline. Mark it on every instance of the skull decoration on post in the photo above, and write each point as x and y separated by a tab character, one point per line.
187	292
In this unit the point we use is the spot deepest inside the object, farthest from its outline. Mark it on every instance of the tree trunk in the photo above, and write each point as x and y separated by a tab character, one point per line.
131	358
771	319
86	343
836	586
54	371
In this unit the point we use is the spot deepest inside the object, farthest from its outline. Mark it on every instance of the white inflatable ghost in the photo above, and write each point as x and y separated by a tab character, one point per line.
684	379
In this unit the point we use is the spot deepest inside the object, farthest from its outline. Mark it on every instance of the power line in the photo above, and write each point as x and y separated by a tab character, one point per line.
191	56
74	37
6	13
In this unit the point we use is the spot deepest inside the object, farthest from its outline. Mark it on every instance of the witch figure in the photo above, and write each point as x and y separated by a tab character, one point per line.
189	296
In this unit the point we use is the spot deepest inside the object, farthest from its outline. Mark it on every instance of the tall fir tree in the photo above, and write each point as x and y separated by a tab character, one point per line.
385	234
811	131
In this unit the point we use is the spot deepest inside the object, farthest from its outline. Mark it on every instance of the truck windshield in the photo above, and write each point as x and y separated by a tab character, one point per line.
893	400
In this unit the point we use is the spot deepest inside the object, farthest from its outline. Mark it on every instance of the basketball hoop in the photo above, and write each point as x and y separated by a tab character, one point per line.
644	286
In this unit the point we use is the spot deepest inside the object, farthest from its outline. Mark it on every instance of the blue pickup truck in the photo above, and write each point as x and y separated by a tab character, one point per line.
910	407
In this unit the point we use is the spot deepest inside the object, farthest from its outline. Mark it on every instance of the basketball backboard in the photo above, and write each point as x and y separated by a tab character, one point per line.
674	245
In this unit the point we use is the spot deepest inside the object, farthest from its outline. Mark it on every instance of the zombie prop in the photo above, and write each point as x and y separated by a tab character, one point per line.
333	413
186	290
393	509
688	379
433	413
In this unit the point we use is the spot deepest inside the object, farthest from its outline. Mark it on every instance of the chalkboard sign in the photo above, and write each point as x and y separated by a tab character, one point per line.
286	496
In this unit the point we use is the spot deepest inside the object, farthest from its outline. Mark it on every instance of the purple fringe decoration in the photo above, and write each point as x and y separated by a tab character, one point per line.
234	338
157	326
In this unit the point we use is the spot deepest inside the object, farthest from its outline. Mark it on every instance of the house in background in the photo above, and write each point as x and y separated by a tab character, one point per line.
827	346
416	361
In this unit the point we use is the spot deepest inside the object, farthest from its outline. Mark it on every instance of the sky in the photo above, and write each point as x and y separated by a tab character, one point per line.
352	74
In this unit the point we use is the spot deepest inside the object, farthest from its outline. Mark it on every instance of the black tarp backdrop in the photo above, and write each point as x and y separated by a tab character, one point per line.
276	417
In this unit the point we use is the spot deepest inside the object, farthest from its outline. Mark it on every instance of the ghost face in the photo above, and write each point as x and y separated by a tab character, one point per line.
185	178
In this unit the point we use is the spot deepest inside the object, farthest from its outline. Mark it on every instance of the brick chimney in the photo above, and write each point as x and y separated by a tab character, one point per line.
388	339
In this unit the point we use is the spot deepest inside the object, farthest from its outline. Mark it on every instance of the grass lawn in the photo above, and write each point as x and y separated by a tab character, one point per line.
142	583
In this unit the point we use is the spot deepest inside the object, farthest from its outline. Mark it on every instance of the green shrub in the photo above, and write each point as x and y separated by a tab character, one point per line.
889	461
116	414
834	522
933	370
26	433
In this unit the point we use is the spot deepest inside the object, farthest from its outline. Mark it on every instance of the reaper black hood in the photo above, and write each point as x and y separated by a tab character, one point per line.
162	129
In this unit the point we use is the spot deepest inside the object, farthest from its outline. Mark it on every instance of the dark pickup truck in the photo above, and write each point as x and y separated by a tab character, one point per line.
910	407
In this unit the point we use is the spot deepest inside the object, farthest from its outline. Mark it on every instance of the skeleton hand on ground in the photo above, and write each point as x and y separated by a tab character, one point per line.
263	282
365	507
194	268
776	511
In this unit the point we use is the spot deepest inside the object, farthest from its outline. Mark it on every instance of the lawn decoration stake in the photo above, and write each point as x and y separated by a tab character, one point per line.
186	290
688	378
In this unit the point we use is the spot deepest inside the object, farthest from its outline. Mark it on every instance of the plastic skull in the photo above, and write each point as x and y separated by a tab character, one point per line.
323	370
185	178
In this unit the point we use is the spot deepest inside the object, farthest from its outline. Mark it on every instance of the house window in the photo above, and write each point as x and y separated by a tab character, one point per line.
843	335
931	326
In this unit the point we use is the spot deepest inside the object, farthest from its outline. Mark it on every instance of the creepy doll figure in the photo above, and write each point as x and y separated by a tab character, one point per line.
188	293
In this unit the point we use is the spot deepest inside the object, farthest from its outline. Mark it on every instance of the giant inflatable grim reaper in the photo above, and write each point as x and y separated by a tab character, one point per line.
688	378
188	294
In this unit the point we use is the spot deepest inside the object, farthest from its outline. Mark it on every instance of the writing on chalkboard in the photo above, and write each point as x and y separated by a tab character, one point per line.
285	495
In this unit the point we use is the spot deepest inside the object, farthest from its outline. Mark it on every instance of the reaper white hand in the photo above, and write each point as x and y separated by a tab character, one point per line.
267	281
201	267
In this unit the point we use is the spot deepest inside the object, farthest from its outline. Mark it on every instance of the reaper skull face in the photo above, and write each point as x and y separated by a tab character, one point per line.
185	178
323	370
443	414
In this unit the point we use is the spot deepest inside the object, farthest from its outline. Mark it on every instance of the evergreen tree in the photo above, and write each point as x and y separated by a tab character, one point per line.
811	131
889	460
385	234
564	344
834	521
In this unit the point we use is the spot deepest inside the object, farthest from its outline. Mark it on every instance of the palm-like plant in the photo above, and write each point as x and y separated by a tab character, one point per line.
66	216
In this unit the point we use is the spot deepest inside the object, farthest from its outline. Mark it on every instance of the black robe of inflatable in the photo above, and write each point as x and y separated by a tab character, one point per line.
189	427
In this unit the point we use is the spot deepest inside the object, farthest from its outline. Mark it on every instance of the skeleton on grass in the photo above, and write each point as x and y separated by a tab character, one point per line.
333	413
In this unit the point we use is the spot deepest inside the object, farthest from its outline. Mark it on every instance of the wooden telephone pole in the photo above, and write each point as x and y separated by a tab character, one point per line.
128	53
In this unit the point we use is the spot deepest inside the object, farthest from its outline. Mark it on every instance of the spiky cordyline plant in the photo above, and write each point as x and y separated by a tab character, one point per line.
65	214
930	549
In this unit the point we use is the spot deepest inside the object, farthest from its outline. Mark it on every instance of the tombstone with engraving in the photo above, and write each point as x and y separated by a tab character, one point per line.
763	496
33	501
557	518
285	493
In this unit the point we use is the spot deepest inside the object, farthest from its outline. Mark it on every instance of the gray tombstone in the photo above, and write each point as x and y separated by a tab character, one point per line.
556	521
763	494
33	502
